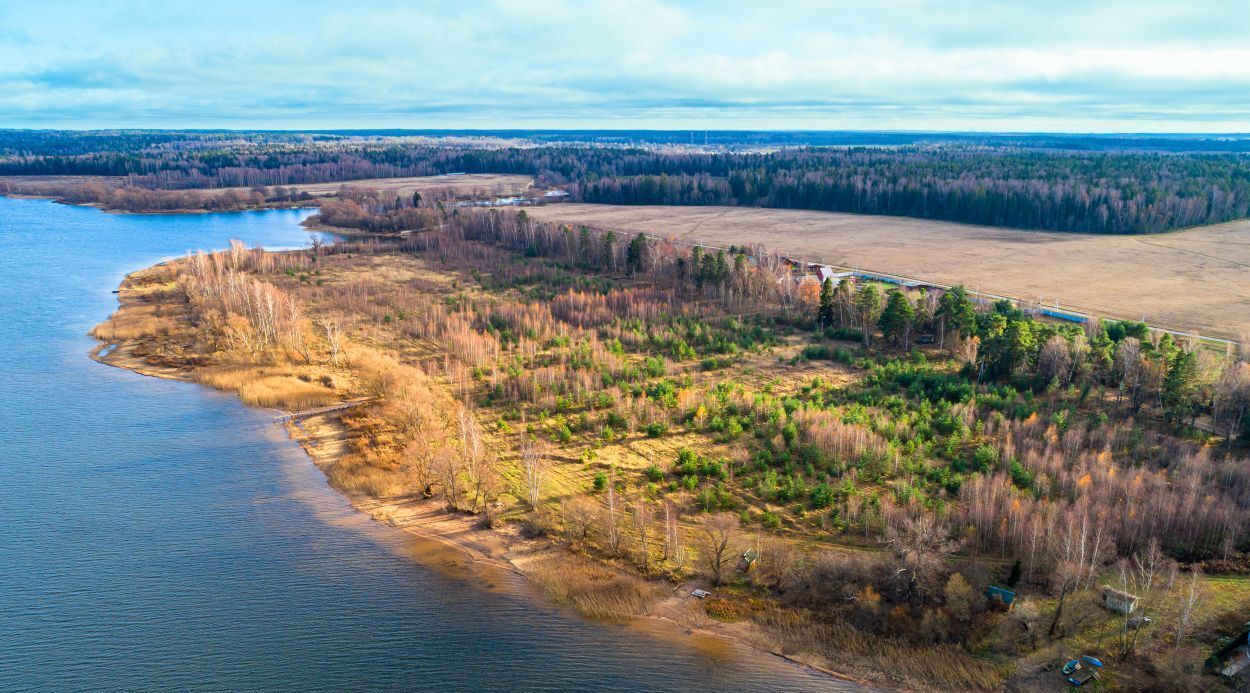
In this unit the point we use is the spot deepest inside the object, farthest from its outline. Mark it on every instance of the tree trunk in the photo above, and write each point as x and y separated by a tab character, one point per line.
1063	595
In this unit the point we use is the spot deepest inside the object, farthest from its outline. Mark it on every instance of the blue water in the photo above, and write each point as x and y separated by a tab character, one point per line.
159	535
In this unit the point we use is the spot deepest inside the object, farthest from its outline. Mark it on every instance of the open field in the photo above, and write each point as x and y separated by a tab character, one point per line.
1193	280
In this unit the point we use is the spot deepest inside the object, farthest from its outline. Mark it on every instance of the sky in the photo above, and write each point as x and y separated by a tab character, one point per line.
1040	66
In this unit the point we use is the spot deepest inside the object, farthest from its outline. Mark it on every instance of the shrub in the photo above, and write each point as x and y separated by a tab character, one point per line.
653	473
822	496
655	429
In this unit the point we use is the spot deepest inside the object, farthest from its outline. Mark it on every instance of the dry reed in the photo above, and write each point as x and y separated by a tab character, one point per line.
594	590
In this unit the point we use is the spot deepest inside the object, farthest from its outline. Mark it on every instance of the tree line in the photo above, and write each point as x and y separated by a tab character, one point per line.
998	183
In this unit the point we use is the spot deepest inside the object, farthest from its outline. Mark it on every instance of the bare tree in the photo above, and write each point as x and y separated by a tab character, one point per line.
334	338
643	516
447	468
1232	397
579	519
1148	566
1191	595
534	459
920	543
610	520
1054	362
718	533
1067	553
674	550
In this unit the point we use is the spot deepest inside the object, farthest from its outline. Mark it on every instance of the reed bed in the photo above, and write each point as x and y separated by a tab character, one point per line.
267	387
132	323
359	474
593	589
948	666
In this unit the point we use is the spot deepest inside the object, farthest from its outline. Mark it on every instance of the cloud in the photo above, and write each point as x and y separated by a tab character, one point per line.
903	64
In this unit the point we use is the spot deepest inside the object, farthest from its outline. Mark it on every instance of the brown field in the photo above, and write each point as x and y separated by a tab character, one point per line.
1193	280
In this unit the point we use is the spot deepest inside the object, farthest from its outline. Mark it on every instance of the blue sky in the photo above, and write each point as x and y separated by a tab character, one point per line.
1142	66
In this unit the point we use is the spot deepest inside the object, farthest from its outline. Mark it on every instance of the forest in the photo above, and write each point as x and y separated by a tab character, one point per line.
1086	185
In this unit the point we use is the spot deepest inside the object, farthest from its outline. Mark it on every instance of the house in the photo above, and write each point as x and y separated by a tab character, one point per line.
1001	596
824	272
747	560
1118	601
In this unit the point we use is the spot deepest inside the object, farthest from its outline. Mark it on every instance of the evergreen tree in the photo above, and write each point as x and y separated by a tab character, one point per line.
636	255
825	314
1180	388
584	243
956	314
868	305
609	250
696	266
897	318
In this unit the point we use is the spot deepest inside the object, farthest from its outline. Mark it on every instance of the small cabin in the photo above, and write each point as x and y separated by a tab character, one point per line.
1118	601
998	595
747	560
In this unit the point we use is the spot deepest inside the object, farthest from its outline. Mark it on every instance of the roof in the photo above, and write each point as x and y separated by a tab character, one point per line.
1005	595
1110	591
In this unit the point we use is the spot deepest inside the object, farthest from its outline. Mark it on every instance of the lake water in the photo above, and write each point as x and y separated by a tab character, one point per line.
159	535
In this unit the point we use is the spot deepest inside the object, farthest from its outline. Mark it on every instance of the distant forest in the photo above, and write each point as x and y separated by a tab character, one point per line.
1102	184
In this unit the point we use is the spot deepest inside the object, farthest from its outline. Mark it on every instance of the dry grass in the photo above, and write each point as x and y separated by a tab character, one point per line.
946	666
270	387
134	323
360	474
593	589
1187	280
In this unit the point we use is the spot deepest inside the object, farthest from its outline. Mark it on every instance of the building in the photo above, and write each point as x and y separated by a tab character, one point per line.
1118	601
1001	596
1233	659
824	272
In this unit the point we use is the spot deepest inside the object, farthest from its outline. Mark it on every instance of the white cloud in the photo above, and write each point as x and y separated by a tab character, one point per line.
891	64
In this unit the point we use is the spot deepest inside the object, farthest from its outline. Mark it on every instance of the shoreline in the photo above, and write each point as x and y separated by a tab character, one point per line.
323	438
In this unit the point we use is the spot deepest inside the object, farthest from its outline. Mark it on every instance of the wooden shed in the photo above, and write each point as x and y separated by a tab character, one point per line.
1118	601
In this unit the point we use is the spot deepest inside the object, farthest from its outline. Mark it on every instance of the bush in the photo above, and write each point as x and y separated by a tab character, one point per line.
601	481
655	429
822	496
653	473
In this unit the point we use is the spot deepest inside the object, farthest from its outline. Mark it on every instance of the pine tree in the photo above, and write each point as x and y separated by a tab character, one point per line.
897	318
1180	388
868	305
825	314
636	255
956	314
